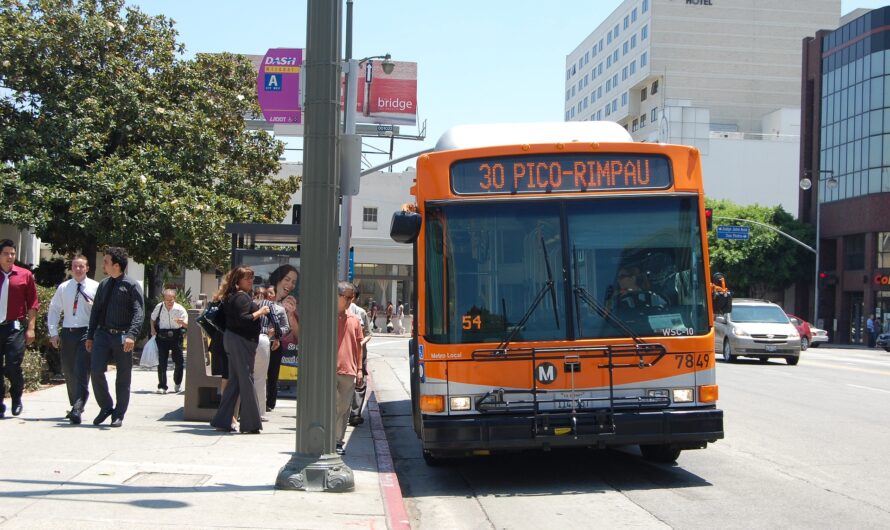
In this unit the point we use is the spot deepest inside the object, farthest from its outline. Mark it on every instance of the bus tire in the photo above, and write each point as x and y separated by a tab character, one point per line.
792	361
727	352
661	453
433	460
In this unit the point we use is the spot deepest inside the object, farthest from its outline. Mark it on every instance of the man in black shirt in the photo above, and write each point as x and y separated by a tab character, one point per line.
115	322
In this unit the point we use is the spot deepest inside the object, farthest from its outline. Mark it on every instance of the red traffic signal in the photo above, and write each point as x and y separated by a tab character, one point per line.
709	218
823	275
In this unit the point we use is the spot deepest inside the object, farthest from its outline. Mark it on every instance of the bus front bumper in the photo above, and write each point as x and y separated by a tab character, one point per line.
684	429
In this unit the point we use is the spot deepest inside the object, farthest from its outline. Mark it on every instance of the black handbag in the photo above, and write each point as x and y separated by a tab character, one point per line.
212	319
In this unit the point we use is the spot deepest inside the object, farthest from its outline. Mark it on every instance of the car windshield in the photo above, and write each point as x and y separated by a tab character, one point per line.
759	313
631	263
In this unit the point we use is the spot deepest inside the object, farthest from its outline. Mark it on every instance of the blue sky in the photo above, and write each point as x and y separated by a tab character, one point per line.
478	62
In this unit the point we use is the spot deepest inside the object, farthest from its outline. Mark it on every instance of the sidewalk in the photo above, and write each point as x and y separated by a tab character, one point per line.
159	471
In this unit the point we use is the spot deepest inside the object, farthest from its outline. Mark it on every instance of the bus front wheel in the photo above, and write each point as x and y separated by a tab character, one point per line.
662	453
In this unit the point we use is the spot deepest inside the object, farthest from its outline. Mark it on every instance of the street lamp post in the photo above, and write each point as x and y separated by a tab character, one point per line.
349	118
807	184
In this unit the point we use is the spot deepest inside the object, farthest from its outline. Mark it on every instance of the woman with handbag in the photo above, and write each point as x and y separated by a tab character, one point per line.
169	321
240	339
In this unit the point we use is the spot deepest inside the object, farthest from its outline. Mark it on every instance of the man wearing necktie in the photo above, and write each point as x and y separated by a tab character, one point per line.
18	311
73	302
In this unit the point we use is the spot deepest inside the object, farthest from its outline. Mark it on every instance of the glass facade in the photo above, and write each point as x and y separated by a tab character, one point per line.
855	130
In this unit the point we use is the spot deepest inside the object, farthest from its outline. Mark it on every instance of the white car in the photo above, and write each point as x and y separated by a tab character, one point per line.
818	336
756	328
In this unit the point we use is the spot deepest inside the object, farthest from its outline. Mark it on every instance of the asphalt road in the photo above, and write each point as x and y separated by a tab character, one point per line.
806	446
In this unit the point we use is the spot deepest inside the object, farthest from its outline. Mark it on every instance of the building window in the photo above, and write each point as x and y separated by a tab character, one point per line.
655	87
626	47
633	67
642	120
854	252
636	125
609	38
624	73
608	85
884	250
633	15
600	69
608	109
608	61
644	59
615	105
624	99
633	42
643	94
615	56
653	116
644	33
645	6
615	32
599	91
369	215
600	45
626	21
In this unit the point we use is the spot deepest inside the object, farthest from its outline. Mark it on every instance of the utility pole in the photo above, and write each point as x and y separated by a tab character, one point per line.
315	466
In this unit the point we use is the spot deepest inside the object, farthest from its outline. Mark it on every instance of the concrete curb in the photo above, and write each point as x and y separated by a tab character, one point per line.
393	502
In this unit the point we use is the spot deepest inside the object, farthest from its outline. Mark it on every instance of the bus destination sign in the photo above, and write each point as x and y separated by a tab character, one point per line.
572	172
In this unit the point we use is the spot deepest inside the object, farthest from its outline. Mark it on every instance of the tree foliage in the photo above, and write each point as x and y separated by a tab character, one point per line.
768	262
109	136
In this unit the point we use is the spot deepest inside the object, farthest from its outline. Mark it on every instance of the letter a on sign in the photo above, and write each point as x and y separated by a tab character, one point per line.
273	83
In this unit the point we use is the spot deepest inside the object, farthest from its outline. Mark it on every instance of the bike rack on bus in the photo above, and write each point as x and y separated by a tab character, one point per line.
549	423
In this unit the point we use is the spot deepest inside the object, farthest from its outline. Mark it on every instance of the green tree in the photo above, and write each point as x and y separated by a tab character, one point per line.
109	136
766	262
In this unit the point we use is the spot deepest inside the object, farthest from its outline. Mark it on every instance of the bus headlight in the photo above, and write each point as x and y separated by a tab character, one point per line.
657	393
683	395
459	403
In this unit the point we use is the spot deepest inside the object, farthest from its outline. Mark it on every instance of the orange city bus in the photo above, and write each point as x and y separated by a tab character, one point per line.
562	293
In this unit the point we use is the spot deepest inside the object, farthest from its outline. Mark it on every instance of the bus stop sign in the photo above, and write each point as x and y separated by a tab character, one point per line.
740	233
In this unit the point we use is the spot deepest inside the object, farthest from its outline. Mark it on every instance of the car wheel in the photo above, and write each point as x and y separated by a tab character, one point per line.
804	343
727	353
792	361
662	453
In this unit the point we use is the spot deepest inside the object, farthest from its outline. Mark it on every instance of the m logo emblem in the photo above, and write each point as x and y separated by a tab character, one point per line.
545	373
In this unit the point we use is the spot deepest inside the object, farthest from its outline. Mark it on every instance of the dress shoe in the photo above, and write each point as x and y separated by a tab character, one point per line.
74	417
117	422
16	409
68	415
161	391
103	415
340	450
177	388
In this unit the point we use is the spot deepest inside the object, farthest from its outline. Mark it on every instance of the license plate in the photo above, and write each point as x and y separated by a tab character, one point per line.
770	348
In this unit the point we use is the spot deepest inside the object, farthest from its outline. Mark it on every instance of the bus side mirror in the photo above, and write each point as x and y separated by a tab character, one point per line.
405	226
722	297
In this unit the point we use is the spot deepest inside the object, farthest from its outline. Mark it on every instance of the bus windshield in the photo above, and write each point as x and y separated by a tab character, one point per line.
619	264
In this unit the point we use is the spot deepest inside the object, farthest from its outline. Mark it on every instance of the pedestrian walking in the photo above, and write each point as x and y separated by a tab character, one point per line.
283	281
389	314
349	359
358	396
18	313
169	322
400	315
373	308
115	322
240	339
72	303
872	329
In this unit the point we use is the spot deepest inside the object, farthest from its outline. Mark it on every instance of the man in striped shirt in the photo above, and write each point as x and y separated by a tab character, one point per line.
115	322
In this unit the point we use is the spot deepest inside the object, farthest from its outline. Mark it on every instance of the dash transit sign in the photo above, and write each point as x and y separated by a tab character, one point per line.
278	85
574	172
740	233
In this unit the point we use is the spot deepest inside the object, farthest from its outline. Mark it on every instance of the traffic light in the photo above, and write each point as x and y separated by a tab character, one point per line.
709	218
827	279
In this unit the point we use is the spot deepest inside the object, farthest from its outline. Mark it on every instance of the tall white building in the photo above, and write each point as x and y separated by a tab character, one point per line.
721	75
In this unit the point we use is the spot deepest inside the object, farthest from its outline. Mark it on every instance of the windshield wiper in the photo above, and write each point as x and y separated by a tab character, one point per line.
549	285
583	294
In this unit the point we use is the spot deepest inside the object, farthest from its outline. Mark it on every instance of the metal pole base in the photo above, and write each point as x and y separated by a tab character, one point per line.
316	473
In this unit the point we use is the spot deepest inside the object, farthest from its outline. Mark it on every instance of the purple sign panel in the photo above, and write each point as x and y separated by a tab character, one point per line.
278	85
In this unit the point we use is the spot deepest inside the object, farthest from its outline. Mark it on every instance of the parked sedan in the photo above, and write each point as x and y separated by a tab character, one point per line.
804	329
883	341
819	336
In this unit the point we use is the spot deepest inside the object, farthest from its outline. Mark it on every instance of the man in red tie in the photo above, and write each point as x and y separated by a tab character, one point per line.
18	313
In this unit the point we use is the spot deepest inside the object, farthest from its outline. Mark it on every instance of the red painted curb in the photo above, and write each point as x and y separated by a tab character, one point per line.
393	503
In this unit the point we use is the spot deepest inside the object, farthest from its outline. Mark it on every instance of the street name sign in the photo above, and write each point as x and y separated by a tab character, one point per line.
739	233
